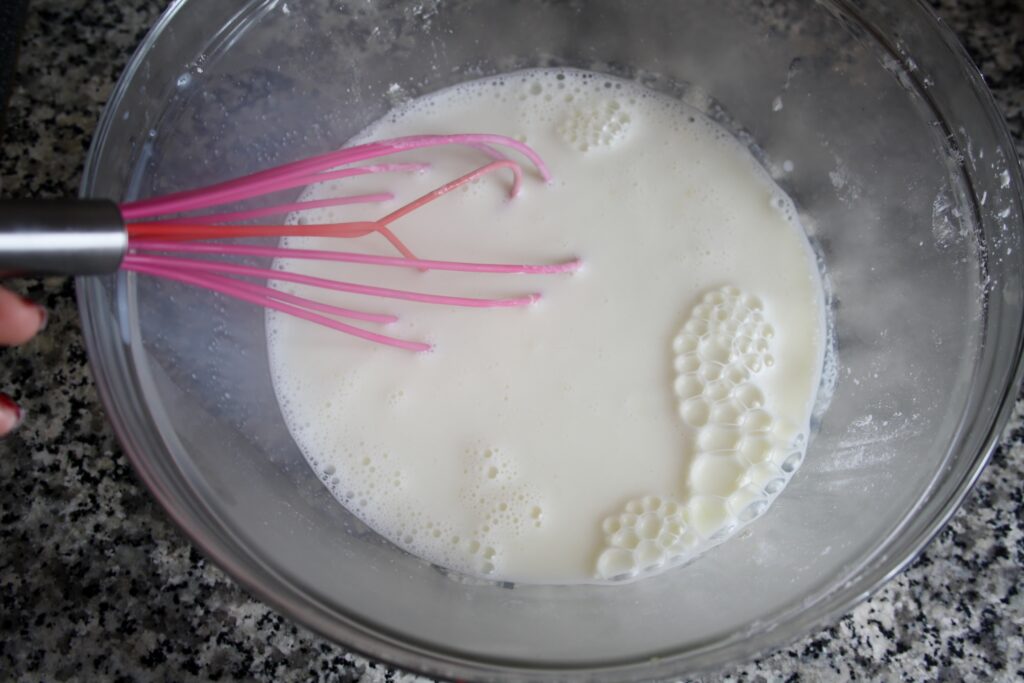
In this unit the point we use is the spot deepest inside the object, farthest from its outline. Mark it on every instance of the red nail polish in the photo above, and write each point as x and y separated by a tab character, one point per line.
10	406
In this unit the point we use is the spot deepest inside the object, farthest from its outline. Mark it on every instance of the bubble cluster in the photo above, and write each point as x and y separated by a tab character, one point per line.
649	532
469	550
497	494
744	453
596	125
502	507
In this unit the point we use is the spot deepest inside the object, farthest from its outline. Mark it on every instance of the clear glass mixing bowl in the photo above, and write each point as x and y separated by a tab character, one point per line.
870	116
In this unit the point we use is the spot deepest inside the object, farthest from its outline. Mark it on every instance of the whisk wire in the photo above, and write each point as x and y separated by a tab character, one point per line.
273	303
277	209
354	257
165	262
167	230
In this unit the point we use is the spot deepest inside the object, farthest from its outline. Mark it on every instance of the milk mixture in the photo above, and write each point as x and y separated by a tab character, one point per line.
642	411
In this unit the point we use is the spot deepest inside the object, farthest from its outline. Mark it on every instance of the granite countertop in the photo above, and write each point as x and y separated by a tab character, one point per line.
95	583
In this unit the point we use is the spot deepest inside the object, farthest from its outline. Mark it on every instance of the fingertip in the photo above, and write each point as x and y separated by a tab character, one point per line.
20	318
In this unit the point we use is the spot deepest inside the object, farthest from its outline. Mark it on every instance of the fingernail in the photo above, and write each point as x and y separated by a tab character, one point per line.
12	410
44	317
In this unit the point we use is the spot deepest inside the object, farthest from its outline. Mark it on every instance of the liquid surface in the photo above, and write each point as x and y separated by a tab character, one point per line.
641	412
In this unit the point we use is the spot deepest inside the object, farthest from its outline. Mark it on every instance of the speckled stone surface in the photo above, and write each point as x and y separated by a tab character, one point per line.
95	584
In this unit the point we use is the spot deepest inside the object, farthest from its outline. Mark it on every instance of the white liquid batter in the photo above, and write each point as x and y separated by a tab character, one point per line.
647	407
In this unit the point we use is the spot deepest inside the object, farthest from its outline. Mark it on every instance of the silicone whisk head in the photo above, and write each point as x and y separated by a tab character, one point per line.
164	231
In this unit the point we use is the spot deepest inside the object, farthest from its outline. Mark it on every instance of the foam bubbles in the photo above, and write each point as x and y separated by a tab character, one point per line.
647	534
745	454
595	125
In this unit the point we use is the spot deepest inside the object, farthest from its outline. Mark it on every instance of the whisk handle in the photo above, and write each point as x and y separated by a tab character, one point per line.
60	237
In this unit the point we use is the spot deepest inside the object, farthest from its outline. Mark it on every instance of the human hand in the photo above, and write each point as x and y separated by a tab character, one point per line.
20	320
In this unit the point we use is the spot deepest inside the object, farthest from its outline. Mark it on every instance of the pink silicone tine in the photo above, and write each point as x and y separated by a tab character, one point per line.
383	224
268	302
380	148
353	257
490	151
307	167
214	197
517	174
301	302
167	262
279	209
178	231
472	139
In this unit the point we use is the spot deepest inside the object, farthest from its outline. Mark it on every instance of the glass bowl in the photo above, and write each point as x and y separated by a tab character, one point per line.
869	115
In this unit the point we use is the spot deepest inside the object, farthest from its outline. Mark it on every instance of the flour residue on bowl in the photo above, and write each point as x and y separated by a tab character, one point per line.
644	410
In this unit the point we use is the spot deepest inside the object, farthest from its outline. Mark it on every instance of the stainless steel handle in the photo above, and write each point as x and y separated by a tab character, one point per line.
60	237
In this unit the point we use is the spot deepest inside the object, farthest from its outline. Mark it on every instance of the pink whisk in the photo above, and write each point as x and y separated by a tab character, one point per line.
164	235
